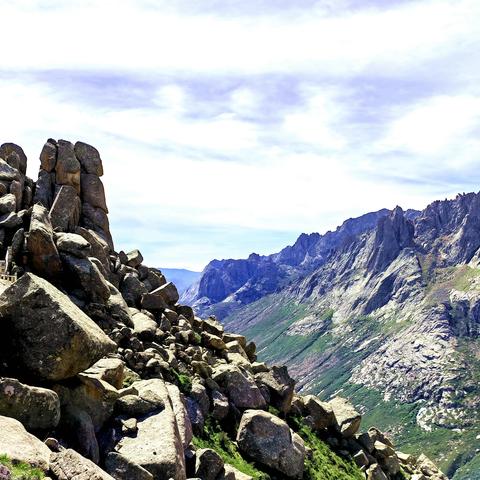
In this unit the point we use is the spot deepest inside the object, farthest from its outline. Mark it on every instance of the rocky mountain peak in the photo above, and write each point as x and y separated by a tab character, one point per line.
393	233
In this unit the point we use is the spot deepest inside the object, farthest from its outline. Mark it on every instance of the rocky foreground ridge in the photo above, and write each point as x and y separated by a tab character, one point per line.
103	374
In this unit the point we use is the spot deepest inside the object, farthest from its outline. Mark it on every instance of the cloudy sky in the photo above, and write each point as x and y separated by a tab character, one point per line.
228	127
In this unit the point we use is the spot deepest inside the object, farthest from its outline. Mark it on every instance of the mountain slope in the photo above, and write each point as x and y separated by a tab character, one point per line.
391	320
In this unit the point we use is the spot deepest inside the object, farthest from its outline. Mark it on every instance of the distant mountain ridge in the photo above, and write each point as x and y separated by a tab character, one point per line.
226	285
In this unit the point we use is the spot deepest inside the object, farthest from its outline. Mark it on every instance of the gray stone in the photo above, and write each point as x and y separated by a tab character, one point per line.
37	408
268	440
21	446
70	465
50	336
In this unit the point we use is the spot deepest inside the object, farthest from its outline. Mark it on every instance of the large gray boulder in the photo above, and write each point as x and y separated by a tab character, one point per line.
49	336
239	386
269	440
37	408
70	465
157	446
21	446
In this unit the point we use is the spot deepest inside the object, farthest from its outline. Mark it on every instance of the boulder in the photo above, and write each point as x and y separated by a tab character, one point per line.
375	472
43	189
96	219
143	325
181	415
88	277
168	293
72	244
43	253
220	405
93	192
239	386
268	440
7	148
318	414
110	370
157	447
132	289
208	464
232	473
7	203
280	385
134	258
70	465
67	169
36	408
347	418
89	158
8	173
121	468
65	210
91	395
48	156
21	446
50	336
79	430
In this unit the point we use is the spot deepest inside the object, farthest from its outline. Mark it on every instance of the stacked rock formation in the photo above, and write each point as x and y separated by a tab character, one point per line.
105	375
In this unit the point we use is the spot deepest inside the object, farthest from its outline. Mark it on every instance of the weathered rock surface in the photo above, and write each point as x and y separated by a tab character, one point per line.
19	445
269	441
162	456
36	408
50	336
69	465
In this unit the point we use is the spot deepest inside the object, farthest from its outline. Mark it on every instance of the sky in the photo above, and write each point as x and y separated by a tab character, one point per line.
228	127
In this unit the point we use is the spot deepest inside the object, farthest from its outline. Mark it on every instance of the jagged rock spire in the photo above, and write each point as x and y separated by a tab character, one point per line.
394	232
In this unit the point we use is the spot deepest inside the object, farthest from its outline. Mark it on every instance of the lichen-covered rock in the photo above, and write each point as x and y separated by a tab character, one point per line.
268	440
280	385
49	336
319	414
37	408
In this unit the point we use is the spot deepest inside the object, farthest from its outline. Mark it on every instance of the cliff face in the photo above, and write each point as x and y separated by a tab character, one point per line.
391	321
104	374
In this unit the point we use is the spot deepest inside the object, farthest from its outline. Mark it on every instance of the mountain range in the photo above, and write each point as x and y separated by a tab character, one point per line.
385	310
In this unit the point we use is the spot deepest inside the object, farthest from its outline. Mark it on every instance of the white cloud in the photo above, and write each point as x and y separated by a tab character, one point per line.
433	126
215	162
120	35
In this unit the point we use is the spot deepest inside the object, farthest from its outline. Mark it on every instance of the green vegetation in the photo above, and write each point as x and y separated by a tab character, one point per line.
470	471
324	463
214	437
184	382
21	471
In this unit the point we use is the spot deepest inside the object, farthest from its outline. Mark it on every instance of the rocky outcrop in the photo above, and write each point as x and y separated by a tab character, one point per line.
50	337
